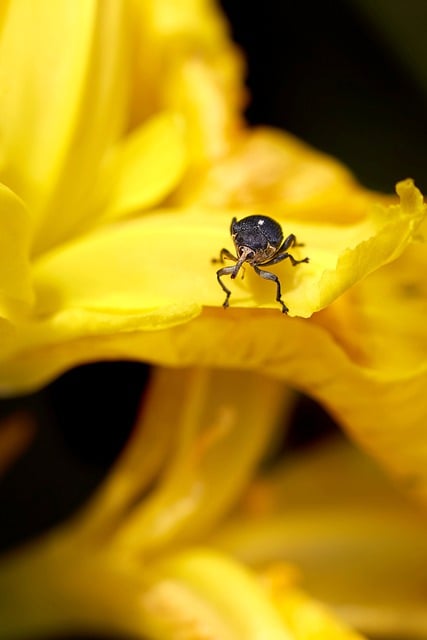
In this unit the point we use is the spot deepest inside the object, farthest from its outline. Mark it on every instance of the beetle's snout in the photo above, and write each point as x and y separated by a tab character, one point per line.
245	253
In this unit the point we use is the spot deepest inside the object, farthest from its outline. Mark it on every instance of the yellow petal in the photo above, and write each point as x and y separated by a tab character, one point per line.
62	105
297	351
156	272
146	166
15	281
377	241
392	307
37	105
164	260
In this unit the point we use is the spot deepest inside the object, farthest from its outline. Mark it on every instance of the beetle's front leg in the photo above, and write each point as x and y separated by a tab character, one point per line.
283	256
224	253
225	271
272	276
293	260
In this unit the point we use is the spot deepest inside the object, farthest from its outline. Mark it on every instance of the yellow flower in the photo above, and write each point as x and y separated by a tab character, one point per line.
115	200
123	160
79	157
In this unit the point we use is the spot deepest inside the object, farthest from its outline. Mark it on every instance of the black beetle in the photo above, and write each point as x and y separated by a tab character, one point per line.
258	241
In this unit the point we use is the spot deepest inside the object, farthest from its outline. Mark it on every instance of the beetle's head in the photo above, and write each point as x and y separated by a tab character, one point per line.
245	254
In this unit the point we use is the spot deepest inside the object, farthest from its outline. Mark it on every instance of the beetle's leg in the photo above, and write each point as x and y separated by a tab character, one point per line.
283	256
225	253
224	272
289	242
272	276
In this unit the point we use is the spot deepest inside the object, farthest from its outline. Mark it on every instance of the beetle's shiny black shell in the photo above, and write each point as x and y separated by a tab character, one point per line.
257	232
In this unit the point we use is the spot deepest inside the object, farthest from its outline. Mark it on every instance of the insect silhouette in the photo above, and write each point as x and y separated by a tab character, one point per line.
259	242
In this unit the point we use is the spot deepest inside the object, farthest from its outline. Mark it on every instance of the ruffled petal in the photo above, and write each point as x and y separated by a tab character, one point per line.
164	260
378	240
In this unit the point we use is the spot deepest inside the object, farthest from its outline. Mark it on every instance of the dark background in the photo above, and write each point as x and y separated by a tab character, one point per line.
326	73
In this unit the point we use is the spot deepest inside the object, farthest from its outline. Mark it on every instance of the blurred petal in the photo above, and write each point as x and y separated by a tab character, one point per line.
308	619
146	166
140	464
216	412
194	89
69	589
187	45
358	545
197	596
276	174
203	594
16	292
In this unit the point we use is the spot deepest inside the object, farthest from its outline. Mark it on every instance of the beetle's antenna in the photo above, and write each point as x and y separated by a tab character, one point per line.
243	257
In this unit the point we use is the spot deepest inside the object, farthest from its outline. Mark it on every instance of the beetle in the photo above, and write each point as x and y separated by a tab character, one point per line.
258	241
